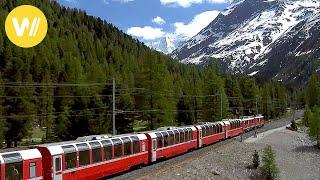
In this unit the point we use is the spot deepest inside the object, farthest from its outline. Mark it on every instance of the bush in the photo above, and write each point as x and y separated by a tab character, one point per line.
269	169
294	126
256	160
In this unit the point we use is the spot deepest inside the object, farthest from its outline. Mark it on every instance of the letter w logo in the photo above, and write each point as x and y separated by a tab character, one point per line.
20	29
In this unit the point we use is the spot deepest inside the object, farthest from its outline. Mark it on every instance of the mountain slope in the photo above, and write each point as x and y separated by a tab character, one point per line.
166	44
248	36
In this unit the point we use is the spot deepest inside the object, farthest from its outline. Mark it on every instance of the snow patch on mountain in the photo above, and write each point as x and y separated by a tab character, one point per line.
166	44
248	30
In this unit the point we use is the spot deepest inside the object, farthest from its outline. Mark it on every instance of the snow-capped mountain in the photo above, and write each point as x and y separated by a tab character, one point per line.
260	37
167	44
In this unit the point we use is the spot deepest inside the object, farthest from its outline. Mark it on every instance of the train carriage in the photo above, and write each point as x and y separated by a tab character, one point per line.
233	127
210	133
24	164
260	119
99	156
93	159
248	123
172	141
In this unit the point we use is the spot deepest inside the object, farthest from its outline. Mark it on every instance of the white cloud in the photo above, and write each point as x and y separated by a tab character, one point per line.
158	20
199	22
147	32
188	3
105	1
181	31
72	1
123	1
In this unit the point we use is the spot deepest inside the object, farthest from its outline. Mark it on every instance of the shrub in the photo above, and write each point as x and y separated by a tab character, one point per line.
294	126
256	160
269	169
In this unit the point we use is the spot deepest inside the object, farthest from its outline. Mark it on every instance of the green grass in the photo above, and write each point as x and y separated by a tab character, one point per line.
140	126
38	133
36	137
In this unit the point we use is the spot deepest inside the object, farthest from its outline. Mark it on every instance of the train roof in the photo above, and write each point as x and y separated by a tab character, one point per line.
170	128
56	148
210	123
19	155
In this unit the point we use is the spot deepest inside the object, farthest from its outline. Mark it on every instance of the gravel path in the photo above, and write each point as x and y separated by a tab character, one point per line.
228	159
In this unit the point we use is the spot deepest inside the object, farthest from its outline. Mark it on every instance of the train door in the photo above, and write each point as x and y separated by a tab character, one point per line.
226	129
57	167
200	137
154	150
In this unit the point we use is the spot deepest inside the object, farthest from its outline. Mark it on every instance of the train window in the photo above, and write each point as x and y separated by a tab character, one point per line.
32	170
96	152
70	160
136	144
203	131
186	135
126	146
13	166
107	146
181	135
207	130
117	147
171	135
84	154
58	164
108	152
136	147
14	170
159	140
190	133
165	139
70	156
176	136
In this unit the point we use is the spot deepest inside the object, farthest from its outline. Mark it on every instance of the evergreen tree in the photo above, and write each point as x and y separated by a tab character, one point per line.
269	168
3	124
312	94
184	115
156	99
234	94
63	124
217	99
314	124
255	160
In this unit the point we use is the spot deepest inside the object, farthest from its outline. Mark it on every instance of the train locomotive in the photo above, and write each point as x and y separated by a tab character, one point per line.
100	156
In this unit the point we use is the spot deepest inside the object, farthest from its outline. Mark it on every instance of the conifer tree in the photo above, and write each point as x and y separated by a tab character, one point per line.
269	168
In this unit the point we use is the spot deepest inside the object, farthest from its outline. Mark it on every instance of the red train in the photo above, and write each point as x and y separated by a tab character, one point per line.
99	156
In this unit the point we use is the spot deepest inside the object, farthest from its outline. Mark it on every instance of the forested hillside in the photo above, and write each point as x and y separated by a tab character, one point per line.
64	84
312	109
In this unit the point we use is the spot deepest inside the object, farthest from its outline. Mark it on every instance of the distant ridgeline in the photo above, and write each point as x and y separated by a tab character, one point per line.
66	84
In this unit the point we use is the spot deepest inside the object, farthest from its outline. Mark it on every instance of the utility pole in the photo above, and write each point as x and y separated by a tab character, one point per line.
257	106
113	106
221	106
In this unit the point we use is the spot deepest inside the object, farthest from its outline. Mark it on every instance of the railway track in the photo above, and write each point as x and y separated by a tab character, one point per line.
149	171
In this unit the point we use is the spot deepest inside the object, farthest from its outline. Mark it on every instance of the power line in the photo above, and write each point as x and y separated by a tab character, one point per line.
33	85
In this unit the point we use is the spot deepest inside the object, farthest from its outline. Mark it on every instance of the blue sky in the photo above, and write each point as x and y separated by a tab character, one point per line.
152	19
